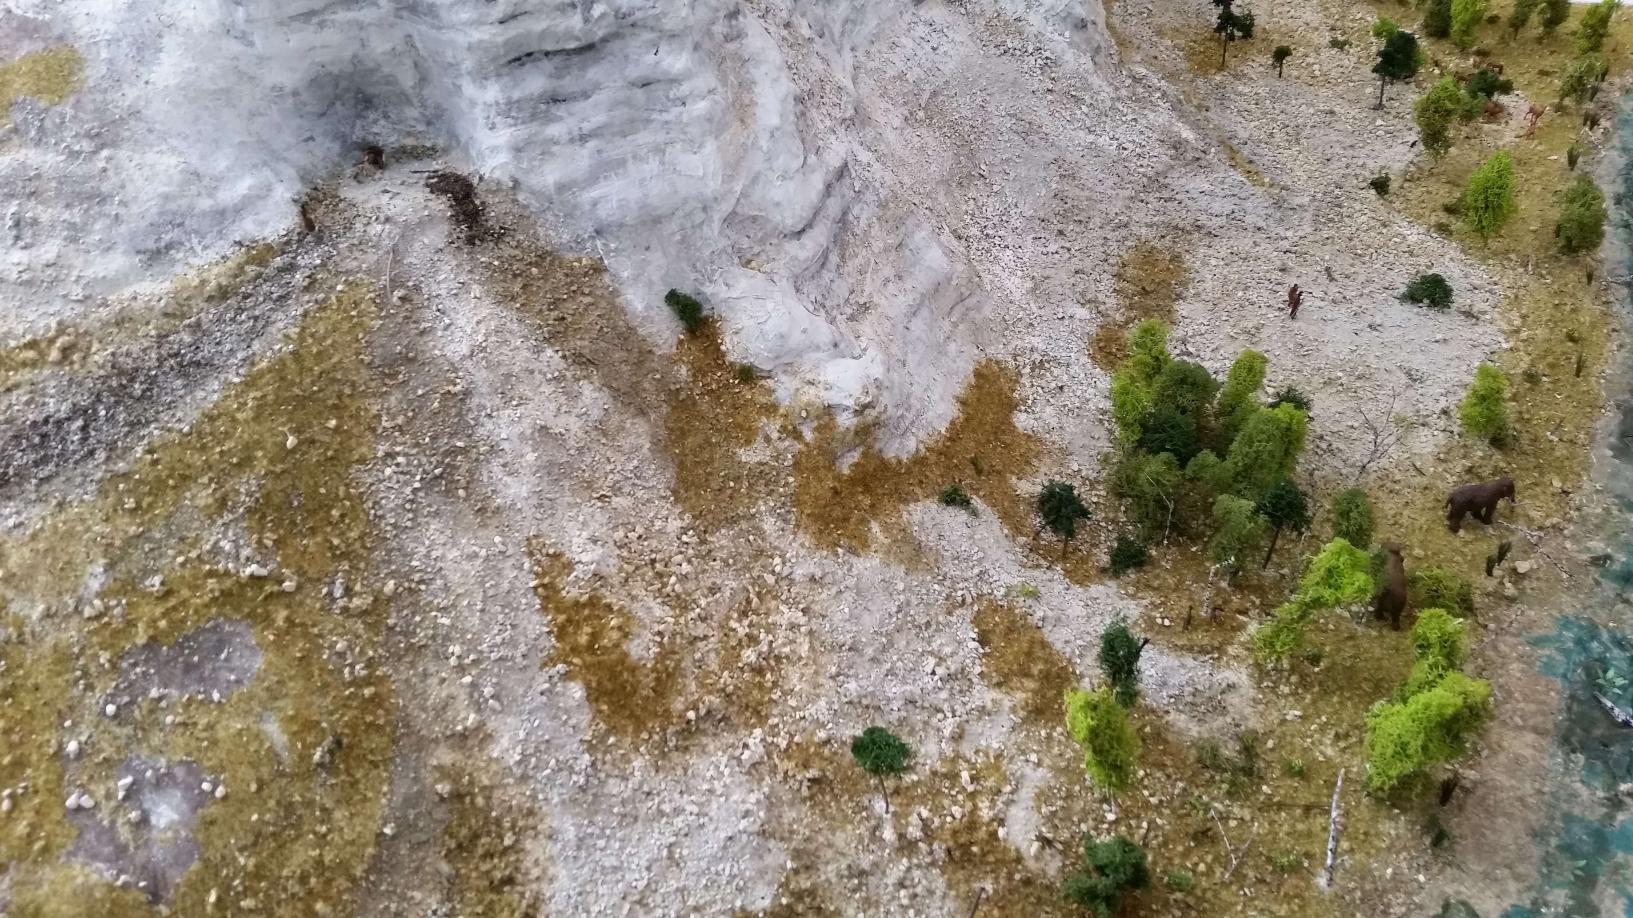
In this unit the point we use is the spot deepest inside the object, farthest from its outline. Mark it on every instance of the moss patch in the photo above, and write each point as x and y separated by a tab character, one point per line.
48	76
1018	659
1149	282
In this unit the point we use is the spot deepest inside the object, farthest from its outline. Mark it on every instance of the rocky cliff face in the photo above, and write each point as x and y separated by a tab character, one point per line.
768	154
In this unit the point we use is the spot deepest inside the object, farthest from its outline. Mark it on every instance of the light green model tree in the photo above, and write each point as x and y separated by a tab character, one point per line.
1488	199
1581	224
1265	449
1595	26
1406	738
1484	411
1466	18
1236	402
1578	78
1438	647
1435	112
1352	518
1110	746
1238	532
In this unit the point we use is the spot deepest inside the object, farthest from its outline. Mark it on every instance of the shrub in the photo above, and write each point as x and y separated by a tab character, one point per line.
1130	403
1127	553
1296	768
1238	531
1180	881
1111	869
1437	588
1184	386
1165	430
1061	508
1576	81
1278	638
1520	16
1437	649
1435	112
1554	14
1433	726
1283	506
1484	411
1430	290
1380	184
1385	27
1265	449
1437	19
1489	84
1286	861
1149	486
1581	217
1488	199
1595	25
1147	351
1120	662
1466	17
1339	575
1236	398
1110	746
1290	395
954	496
1352	518
688	309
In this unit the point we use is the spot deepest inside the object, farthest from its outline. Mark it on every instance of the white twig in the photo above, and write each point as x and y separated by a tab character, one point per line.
1336	826
1616	713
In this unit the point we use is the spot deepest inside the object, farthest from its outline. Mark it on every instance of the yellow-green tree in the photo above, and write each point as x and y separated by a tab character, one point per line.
1466	17
1488	199
1435	112
1484	411
1581	224
1110	746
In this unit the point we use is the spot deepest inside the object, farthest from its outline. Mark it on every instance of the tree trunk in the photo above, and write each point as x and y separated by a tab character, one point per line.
1279	65
1381	82
883	792
1065	545
1275	536
1224	48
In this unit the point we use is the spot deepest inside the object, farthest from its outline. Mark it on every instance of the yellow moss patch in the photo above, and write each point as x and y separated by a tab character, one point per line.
1149	282
1018	659
481	844
49	76
981	449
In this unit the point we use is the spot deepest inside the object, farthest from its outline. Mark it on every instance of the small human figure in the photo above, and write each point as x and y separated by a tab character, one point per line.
1295	297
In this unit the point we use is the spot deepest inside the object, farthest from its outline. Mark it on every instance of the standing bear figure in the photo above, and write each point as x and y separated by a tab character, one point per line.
1479	499
1391	602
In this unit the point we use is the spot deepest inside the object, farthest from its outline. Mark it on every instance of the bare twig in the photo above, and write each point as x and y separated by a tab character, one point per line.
1335	827
1616	713
980	895
1235	855
1237	861
1386	432
1535	538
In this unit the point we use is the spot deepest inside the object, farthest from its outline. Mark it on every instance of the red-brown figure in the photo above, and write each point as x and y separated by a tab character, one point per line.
1479	499
1295	297
1391	601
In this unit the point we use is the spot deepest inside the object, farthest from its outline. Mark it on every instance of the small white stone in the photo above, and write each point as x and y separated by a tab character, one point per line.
123	787
72	749
291	442
112	710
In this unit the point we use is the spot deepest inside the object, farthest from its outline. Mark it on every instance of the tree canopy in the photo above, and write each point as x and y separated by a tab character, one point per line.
1120	662
880	752
1484	411
1111	869
1466	18
1581	224
1110	746
1435	112
1398	59
1488	199
1352	518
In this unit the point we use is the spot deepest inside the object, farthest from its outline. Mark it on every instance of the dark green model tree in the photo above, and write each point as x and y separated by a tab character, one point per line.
1283	506
1111	869
1520	16
1352	518
1437	19
1279	58
688	309
880	753
1397	60
1554	14
1581	224
1231	26
1120	661
1060	508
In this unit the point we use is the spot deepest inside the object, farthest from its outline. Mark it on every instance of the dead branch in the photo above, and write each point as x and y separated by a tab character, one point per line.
1237	861
1616	713
1234	855
1386	432
1335	826
1535	538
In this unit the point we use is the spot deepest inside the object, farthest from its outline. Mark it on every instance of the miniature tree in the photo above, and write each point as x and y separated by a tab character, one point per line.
1284	506
1291	395
1238	531
1131	385
880	753
1438	648
1581	224
1520	16
1340	575
1231	26
1484	411
1127	553
1184	386
1236	399
1595	25
1111	869
1437	19
1149	486
1167	430
1406	738
1110	746
1060	508
1466	17
1284	633
1147	351
1398	59
1130	403
1435	112
687	309
1488	199
1120	661
954	495
1488	84
1554	14
1384	27
1431	290
1437	588
1352	518
1279	58
1265	449
1577	80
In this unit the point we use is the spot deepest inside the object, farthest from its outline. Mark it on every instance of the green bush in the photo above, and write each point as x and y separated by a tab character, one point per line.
1466	17
1489	84
1110	746
1437	19
1238	532
1339	575
1147	351
1184	386
1265	449
1352	518
1380	184
688	309
1120	662
880	752
1438	648
1581	224
1236	402
1130	403
1165	430
1291	395
1149	487
1385	27
1430	290
1595	25
1406	738
1180	881
1435	112
1437	588
1127	553
1484	411
954	496
1488	199
1060	508
1520	16
1280	637
1576	81
1111	869
1554	14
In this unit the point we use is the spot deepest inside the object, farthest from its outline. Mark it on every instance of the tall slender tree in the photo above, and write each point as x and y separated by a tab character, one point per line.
1231	26
1397	60
1060	508
1285	507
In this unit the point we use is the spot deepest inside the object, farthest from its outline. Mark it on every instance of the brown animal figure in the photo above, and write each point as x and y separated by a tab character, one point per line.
309	222
1532	116
1295	297
374	156
1391	601
1479	499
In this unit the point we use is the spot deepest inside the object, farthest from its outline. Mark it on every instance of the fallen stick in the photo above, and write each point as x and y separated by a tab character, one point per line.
1335	827
1616	714
1245	849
